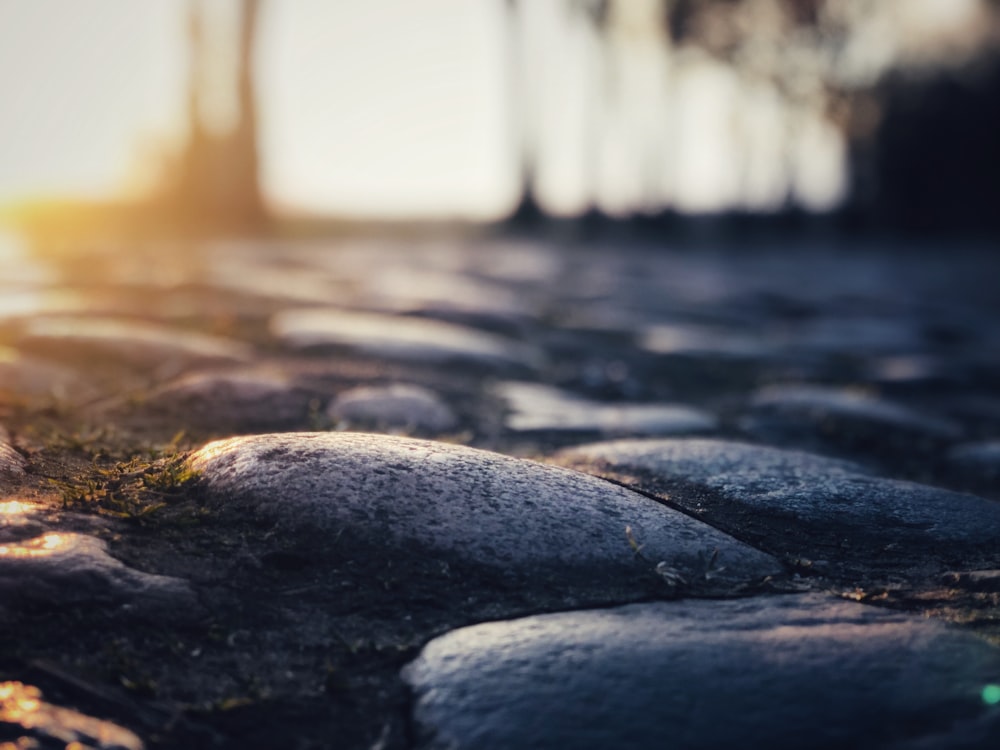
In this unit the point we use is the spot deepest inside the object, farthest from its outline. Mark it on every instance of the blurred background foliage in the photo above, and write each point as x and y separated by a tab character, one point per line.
867	115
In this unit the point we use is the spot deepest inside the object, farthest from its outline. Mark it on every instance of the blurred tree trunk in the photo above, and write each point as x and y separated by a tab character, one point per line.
527	212
215	185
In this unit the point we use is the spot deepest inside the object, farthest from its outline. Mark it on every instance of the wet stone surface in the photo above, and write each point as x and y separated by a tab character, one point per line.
466	505
806	508
197	552
776	672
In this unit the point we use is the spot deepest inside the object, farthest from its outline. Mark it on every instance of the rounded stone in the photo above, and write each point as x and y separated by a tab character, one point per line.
541	408
394	407
804	506
400	337
851	420
977	463
777	672
464	504
135	343
249	399
62	568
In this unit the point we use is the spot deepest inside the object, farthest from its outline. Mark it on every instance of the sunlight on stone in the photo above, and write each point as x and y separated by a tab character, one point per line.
43	546
22	705
15	508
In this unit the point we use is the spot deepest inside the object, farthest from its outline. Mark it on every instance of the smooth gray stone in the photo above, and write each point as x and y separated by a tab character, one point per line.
63	568
769	672
799	413
536	407
465	504
804	506
26	719
394	407
400	337
136	343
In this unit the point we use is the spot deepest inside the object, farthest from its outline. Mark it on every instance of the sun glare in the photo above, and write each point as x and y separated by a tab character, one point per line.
43	546
15	508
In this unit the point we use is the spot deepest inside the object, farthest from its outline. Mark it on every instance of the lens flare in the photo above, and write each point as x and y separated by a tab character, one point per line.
991	695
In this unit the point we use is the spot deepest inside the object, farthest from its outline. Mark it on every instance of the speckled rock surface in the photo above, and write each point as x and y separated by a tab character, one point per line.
463	504
805	507
774	672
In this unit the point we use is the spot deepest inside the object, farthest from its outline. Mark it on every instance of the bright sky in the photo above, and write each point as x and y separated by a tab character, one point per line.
400	107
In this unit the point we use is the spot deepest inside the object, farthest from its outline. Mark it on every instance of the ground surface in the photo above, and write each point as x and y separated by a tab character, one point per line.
794	487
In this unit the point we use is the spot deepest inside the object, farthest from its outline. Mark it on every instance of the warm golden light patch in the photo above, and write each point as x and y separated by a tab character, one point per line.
17	702
43	546
15	508
22	705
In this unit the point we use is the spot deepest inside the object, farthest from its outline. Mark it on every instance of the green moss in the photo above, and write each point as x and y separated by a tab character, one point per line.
133	489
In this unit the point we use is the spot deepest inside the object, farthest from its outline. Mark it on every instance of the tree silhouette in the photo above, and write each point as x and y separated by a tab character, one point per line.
214	184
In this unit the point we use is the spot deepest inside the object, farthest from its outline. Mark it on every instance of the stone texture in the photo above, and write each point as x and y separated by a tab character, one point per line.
400	337
804	506
810	415
771	672
410	408
31	722
542	408
466	505
63	569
